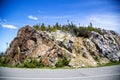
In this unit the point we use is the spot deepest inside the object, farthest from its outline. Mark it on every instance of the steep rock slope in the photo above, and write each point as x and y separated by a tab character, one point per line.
106	44
81	56
31	43
50	46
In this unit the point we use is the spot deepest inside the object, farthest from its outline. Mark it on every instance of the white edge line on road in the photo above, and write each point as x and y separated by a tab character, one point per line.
60	78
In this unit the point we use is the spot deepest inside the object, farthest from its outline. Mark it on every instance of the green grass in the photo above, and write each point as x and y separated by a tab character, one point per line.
61	64
111	63
104	65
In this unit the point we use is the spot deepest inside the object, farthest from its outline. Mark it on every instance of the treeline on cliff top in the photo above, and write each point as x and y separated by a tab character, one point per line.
83	31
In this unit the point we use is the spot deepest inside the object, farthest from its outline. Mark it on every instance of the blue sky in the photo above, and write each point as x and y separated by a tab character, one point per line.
15	14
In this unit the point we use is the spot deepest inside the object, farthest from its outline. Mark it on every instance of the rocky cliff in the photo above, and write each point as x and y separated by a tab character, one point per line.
50	46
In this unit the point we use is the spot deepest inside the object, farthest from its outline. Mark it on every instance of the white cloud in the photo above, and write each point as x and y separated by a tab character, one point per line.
106	21
8	26
32	17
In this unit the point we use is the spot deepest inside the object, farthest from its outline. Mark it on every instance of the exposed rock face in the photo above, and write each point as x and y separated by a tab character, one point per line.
63	39
82	52
81	56
30	43
106	45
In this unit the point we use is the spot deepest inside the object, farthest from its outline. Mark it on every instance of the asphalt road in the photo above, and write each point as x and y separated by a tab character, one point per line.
101	73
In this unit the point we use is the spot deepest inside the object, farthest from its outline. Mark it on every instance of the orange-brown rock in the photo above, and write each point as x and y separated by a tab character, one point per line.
31	43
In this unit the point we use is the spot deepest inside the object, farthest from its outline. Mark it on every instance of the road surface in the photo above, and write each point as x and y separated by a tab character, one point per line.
101	73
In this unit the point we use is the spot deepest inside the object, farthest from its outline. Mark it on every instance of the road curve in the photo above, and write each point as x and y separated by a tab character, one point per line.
101	73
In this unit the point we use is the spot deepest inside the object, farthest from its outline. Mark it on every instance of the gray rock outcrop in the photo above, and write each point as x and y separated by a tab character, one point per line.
106	44
49	46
